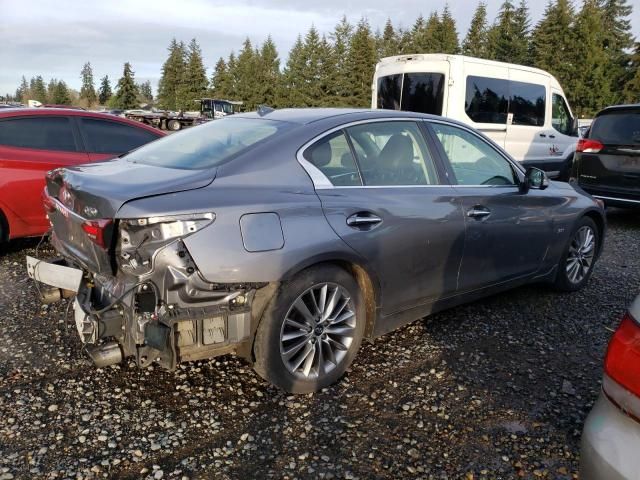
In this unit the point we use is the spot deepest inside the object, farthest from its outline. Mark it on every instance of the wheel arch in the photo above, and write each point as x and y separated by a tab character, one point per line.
4	227
601	224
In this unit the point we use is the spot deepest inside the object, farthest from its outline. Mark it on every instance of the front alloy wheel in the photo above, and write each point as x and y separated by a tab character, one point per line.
581	254
318	330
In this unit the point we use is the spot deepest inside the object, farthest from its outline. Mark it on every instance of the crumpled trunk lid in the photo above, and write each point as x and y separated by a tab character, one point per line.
95	192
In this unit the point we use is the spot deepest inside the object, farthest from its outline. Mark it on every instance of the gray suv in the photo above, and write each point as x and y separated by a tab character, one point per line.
286	237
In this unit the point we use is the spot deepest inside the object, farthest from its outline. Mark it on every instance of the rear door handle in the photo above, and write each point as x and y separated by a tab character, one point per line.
552	136
543	135
479	212
363	219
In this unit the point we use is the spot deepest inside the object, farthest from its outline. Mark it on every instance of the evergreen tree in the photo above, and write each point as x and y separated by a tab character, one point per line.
618	43
341	84
38	90
221	81
632	86
171	78
292	88
87	91
425	36
389	43
362	59
268	73
126	96
104	92
552	41
245	72
475	43
508	37
446	33
51	89
193	85
61	94
405	42
588	87
22	93
145	91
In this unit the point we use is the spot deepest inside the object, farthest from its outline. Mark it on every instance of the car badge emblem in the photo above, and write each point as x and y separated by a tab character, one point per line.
90	211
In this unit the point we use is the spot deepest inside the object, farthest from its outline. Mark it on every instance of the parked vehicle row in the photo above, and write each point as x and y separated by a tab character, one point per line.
287	237
36	140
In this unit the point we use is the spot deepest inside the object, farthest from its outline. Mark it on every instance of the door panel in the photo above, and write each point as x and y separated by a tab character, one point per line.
416	248
506	232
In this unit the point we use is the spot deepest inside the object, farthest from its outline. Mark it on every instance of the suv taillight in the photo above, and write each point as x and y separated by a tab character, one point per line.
97	232
587	145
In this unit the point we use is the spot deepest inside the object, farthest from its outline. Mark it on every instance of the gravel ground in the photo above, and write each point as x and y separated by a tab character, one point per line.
495	389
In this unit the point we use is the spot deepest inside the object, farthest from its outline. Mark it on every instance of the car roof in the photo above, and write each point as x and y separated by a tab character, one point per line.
308	115
70	112
617	108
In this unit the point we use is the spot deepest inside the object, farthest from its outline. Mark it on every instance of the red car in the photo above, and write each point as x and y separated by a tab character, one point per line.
36	140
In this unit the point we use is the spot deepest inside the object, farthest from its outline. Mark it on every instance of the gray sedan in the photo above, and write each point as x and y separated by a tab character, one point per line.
289	236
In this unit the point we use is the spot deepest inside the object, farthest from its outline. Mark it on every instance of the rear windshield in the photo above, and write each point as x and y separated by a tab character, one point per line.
207	145
620	128
413	92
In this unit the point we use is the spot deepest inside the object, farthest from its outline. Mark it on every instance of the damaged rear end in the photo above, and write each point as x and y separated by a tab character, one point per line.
140	293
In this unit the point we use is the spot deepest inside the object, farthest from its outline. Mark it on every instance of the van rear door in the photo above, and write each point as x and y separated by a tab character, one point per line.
527	139
487	99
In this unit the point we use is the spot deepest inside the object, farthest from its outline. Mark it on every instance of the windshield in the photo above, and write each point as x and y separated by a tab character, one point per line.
207	145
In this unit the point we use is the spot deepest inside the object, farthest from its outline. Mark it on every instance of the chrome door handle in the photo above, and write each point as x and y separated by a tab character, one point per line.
478	212
363	220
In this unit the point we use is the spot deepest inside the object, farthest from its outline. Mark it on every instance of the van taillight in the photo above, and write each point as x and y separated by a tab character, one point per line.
587	145
97	231
622	362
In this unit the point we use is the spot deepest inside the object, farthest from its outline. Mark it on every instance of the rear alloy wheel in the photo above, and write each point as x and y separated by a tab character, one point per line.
311	330
577	262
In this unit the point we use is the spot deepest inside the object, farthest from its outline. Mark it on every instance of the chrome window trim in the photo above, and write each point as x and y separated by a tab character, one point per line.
616	199
322	182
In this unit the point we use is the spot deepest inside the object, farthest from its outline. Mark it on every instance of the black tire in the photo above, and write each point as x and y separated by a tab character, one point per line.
269	361
563	281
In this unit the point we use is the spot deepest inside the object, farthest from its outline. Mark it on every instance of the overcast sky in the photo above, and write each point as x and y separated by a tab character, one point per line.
54	38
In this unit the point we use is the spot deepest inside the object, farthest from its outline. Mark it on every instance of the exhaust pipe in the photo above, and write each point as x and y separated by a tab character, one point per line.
106	354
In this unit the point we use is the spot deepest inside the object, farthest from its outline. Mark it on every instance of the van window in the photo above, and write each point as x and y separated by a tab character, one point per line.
527	103
561	119
389	90
487	99
416	92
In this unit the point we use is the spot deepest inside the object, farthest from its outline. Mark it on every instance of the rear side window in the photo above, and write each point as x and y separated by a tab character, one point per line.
527	103
487	99
111	137
332	156
42	133
416	92
618	128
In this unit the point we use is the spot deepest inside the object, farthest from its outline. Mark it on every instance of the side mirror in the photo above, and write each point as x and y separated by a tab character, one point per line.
574	127
534	178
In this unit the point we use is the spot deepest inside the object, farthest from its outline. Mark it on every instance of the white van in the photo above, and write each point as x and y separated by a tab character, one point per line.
522	109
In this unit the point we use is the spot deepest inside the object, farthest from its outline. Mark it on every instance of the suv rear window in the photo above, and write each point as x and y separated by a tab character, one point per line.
42	133
619	128
207	145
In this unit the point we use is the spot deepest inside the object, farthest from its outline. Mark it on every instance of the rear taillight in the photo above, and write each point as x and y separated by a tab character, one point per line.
98	231
622	367
587	145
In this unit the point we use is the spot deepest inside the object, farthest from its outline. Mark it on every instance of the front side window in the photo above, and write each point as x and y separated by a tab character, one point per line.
561	119
412	92
473	161
487	99
392	154
207	145
527	103
111	137
42	133
332	156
